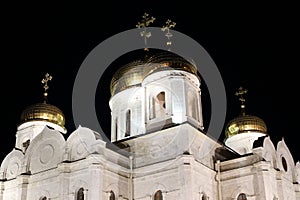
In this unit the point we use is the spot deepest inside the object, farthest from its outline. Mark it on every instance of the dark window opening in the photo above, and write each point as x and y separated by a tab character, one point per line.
80	194
158	195
128	123
116	129
112	195
284	163
26	144
242	196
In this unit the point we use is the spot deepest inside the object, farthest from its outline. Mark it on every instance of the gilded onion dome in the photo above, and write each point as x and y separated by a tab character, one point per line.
43	111
244	122
135	72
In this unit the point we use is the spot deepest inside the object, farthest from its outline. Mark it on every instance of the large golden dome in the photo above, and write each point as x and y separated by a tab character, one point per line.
135	72
43	112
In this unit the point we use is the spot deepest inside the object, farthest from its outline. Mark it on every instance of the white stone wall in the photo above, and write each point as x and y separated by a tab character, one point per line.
56	169
181	178
261	175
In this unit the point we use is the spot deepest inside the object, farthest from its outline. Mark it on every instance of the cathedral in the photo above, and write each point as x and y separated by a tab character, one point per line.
158	149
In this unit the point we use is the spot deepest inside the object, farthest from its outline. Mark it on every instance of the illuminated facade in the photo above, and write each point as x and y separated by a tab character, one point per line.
158	148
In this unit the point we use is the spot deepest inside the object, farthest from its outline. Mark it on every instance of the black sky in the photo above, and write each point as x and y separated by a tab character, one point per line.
253	46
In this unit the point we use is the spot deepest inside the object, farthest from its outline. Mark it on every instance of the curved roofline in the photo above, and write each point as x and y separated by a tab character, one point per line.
136	71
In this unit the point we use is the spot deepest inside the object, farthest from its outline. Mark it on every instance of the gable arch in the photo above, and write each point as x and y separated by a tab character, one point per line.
44	152
285	160
11	165
81	143
269	152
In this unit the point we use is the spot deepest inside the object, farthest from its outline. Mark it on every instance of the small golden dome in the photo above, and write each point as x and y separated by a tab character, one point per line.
135	72
43	112
245	123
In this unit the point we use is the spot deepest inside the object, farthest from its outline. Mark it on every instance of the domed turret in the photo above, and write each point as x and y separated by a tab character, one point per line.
45	113
35	117
244	129
156	92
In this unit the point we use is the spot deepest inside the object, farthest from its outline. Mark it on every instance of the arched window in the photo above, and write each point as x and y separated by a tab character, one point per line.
242	196
158	195
204	197
43	198
157	105
161	100
80	194
112	195
128	123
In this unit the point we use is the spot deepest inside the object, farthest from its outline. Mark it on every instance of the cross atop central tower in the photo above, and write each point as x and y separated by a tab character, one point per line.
146	20
240	93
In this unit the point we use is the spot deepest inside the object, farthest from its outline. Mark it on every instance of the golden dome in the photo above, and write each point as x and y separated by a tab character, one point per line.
245	123
43	112
135	72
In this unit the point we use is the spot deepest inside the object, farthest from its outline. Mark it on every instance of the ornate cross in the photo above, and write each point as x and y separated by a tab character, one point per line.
146	20
167	27
240	93
45	82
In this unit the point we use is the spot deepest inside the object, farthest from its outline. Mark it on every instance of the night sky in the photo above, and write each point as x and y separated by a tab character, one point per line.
253	46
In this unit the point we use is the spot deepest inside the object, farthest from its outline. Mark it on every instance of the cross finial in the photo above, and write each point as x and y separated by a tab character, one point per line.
146	20
240	93
45	82
167	27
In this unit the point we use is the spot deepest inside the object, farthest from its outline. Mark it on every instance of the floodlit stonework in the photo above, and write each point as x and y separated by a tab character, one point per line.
158	151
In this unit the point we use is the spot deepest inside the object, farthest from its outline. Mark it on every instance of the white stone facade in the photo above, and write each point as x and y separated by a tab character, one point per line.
180	161
153	162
